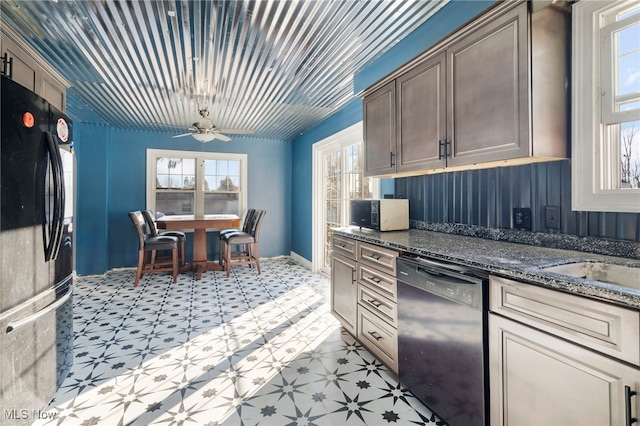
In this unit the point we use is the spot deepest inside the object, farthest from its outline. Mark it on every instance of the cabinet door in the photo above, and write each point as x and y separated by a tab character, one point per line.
53	92
24	70
421	115
488	99
344	291
538	379
380	131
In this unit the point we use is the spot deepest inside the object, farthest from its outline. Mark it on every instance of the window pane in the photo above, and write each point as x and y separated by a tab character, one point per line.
216	203
222	175
629	73
171	202
175	173
630	154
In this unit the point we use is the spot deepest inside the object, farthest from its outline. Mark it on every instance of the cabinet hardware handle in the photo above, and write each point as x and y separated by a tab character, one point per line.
375	279
375	302
391	158
353	276
375	256
7	65
443	143
628	393
375	335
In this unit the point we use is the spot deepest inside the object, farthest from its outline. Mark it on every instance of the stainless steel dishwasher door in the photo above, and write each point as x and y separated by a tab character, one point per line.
442	339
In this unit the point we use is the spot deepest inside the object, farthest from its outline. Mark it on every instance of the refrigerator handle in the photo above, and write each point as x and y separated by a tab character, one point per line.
55	238
44	311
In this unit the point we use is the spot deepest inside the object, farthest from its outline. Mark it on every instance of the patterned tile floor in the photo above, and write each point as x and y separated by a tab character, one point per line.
245	350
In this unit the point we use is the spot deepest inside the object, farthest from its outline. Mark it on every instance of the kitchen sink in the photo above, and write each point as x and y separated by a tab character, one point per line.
626	276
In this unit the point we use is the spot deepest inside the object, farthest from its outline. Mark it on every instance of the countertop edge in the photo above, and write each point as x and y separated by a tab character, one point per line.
519	262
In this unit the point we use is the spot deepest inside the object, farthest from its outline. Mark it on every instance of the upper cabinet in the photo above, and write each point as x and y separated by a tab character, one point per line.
380	130
494	91
27	68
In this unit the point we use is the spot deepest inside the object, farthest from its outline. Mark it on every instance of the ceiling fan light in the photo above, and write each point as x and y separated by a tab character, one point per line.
203	137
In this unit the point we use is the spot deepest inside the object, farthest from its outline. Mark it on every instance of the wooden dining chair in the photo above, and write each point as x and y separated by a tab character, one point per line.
148	245
150	219
248	242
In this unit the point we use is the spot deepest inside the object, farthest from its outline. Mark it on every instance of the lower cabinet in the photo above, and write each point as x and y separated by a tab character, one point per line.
364	295
379	337
558	359
538	379
344	291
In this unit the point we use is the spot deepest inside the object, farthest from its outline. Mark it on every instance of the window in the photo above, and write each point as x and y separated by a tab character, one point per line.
606	106
338	178
186	182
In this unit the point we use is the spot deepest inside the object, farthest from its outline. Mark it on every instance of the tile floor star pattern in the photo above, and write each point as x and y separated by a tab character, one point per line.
245	350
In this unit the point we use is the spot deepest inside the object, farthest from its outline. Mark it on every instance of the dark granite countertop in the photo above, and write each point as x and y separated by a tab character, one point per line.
521	262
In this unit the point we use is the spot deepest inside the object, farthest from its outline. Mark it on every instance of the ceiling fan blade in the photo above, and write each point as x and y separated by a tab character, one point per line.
221	137
237	131
182	135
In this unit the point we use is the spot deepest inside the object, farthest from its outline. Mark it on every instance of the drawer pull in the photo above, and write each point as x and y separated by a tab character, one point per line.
628	393
341	245
375	335
375	280
375	303
374	257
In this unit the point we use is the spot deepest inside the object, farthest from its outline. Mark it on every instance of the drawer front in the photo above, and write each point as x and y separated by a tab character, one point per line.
378	337
377	303
344	246
379	281
600	326
378	257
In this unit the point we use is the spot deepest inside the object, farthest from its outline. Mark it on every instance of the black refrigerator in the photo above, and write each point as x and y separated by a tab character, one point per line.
36	252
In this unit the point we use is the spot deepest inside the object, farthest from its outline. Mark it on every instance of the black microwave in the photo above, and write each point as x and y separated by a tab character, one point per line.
380	215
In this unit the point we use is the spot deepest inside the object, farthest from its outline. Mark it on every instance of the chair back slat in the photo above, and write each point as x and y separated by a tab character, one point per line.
150	220
257	221
248	220
141	229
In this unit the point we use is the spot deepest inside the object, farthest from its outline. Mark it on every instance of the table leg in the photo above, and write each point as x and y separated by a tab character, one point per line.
199	252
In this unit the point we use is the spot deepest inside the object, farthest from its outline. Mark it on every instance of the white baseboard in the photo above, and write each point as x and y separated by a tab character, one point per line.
301	260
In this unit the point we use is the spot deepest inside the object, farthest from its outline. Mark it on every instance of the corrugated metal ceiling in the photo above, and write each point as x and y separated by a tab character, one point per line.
277	67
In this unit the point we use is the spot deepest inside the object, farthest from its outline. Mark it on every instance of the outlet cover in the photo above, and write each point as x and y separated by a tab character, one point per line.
522	218
552	217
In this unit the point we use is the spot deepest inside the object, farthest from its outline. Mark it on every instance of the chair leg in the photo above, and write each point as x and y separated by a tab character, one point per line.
221	252
227	259
175	264
255	256
141	255
182	254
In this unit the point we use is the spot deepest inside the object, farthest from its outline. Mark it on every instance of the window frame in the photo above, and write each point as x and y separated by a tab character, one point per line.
200	157
595	159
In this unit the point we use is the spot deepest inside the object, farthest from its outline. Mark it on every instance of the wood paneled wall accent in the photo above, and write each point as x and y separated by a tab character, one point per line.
487	197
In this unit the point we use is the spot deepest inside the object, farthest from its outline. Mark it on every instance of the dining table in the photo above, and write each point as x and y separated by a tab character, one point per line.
200	225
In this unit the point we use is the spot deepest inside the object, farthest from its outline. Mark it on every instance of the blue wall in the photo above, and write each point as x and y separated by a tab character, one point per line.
111	176
449	18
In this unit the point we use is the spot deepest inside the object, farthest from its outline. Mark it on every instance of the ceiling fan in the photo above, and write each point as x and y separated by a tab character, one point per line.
205	131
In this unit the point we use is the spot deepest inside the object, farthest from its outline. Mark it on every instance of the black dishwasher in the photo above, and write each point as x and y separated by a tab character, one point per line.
442	338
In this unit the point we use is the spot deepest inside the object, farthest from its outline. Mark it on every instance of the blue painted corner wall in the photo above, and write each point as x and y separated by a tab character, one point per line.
111	179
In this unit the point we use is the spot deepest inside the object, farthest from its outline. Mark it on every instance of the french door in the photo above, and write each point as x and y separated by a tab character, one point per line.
339	170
